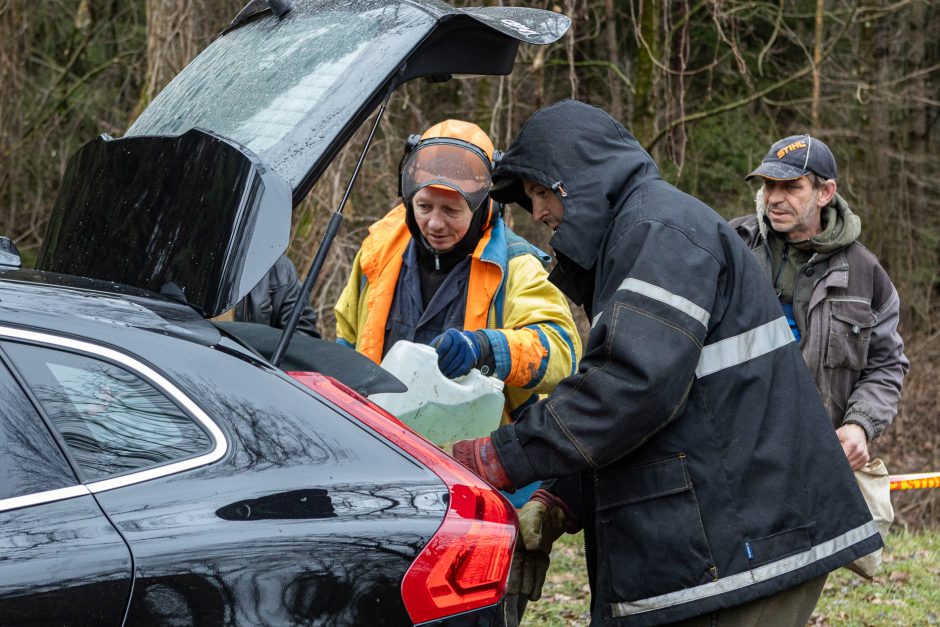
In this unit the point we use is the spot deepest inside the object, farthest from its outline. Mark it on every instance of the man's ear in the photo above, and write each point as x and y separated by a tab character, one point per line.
827	193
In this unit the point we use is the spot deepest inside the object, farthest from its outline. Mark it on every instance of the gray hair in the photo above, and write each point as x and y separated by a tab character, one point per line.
816	181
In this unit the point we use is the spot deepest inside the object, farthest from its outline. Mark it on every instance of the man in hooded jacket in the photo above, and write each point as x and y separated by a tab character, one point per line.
839	301
691	444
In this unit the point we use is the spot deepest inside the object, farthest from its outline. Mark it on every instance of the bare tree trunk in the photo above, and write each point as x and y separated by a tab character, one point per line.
873	56
649	53
817	60
176	31
12	27
919	200
571	8
616	94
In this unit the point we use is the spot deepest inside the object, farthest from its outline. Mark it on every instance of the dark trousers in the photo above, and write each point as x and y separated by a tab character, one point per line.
514	608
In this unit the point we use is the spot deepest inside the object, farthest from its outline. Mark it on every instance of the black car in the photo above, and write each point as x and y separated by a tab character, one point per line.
158	468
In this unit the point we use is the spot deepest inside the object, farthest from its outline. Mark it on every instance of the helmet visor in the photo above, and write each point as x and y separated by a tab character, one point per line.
442	162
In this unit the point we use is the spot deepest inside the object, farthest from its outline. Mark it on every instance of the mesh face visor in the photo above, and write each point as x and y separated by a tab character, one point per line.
450	163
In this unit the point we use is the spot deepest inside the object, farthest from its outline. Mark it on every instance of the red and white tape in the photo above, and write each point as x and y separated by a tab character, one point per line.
920	481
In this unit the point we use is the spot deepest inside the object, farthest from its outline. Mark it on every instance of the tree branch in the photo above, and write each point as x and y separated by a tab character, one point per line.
701	115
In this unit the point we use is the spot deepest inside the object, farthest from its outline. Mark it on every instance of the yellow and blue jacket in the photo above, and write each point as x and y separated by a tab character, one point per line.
526	319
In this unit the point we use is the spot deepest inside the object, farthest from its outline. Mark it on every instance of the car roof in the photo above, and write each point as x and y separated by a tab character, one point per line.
136	322
107	313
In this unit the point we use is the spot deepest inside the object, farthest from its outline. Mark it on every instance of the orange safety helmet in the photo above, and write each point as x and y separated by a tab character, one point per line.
452	154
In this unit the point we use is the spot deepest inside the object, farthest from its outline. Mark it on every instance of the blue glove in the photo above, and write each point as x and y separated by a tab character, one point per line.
457	352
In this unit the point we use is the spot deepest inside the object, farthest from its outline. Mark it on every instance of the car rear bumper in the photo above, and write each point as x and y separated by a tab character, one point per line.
490	616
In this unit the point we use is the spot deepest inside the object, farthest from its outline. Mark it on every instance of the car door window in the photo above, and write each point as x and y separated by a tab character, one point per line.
30	459
111	419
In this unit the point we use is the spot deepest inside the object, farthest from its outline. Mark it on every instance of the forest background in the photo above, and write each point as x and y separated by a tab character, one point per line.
705	85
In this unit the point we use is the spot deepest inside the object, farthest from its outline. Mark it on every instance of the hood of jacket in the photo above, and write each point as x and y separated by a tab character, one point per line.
591	162
841	227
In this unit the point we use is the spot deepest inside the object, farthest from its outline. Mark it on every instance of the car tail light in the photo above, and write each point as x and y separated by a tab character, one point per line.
466	563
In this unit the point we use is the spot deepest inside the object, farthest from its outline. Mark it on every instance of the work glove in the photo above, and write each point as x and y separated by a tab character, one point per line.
459	351
541	521
527	574
480	456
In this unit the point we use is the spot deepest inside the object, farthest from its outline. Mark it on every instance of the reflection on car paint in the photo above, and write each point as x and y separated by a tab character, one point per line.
57	556
311	503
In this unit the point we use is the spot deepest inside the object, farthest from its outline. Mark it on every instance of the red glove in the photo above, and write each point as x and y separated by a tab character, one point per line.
480	456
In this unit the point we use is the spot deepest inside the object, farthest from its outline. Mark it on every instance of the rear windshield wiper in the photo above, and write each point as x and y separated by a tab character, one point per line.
255	9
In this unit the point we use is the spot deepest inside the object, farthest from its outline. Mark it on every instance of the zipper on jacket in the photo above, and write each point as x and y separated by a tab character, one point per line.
502	286
437	259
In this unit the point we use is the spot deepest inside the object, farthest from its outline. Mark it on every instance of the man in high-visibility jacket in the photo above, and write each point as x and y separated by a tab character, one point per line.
442	268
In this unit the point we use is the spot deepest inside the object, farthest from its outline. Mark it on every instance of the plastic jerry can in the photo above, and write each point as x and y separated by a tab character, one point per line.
442	410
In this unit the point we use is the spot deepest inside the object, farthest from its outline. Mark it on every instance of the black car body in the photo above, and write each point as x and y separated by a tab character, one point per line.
156	468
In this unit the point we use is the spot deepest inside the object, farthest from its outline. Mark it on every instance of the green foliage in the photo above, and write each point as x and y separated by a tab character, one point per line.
78	76
721	151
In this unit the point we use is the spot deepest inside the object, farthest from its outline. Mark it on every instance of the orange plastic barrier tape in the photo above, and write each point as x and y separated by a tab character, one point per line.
915	482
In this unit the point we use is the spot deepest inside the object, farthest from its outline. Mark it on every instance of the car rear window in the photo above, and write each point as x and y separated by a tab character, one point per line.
111	419
289	80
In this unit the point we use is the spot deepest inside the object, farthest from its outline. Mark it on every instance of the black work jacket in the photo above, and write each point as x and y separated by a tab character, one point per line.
272	299
712	476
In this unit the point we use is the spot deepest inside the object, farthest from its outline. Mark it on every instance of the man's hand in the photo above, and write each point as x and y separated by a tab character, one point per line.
527	575
480	456
854	443
457	352
541	521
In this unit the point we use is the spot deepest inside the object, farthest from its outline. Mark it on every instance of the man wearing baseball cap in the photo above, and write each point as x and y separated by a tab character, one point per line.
839	301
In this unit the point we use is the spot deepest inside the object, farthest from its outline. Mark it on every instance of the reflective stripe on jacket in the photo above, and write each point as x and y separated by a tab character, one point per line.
527	320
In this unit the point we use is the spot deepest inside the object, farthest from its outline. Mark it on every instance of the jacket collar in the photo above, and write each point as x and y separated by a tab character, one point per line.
389	237
842	226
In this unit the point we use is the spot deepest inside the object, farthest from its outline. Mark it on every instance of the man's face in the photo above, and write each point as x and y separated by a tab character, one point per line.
546	206
793	207
443	217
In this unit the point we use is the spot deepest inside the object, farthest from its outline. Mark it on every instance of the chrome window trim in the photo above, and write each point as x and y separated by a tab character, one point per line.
220	444
39	498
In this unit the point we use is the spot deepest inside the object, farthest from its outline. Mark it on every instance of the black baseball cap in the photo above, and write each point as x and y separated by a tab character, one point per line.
796	156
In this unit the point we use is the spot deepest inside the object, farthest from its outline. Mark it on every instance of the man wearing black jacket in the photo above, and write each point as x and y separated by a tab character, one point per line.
691	444
272	299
